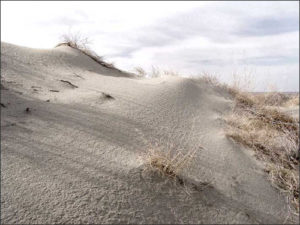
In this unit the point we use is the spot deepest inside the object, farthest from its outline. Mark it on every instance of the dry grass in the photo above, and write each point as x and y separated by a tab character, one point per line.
286	181
244	81
140	71
273	98
274	136
80	43
256	123
244	100
168	164
210	79
240	83
213	80
154	73
276	99
293	101
277	144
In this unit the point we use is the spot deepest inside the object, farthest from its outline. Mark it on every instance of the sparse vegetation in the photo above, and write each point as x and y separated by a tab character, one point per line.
210	79
77	41
293	101
276	99
243	82
155	72
140	71
273	135
169	164
214	81
256	123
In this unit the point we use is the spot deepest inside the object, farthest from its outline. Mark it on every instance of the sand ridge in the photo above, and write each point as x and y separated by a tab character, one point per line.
77	155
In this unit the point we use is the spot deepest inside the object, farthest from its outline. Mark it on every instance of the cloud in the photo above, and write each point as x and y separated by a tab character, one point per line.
218	37
270	26
61	21
217	23
270	60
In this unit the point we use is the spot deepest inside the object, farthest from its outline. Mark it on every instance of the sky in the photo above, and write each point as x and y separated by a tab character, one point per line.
254	40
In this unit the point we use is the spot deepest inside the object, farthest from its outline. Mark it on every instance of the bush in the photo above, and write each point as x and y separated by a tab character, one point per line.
77	41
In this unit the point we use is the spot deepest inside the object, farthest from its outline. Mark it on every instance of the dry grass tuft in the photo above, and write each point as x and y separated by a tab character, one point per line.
286	181
269	142
293	101
80	43
273	135
214	81
210	79
154	73
243	100
276	99
168	164
140	71
171	73
273	98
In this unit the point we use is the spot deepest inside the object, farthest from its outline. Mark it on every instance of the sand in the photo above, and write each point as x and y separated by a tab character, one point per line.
77	154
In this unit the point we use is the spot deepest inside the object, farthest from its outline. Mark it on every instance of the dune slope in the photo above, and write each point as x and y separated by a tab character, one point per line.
74	135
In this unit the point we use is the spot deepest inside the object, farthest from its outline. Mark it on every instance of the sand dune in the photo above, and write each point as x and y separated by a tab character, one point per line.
76	154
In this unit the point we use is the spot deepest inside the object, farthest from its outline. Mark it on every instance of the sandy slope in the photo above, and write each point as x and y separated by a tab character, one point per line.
77	156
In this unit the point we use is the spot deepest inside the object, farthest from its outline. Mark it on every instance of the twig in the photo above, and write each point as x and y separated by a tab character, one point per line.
68	82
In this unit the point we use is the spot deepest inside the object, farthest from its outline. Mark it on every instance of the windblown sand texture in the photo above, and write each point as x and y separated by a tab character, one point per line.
74	135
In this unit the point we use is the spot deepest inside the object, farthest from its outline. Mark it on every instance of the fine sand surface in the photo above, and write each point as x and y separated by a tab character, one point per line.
76	155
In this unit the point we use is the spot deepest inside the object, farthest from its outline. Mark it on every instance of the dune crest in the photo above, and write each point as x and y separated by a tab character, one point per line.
77	154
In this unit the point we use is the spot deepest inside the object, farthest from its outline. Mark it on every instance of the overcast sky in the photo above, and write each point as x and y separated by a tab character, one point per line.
258	39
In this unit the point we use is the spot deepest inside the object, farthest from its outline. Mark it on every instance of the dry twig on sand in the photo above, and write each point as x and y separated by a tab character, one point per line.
77	41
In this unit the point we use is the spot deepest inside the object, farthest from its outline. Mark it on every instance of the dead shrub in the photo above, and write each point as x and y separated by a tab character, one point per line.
140	71
77	41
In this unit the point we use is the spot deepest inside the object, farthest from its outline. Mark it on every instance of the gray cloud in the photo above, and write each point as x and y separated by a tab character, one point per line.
269	60
269	26
67	20
207	62
199	22
125	51
217	23
234	28
169	31
214	35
